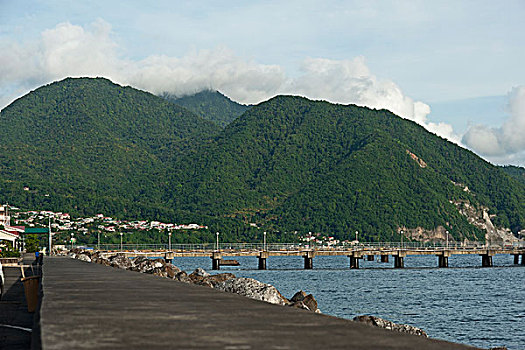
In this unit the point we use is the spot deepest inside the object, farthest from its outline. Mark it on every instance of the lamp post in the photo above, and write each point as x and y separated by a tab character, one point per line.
72	235
356	233
98	239
169	241
264	241
402	243
217	241
447	239
121	241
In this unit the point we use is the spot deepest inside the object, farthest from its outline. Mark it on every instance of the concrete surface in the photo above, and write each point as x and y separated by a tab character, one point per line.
90	306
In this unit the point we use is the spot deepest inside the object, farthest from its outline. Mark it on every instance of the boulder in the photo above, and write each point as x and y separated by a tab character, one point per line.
382	323
254	289
182	277
299	296
120	261
84	257
200	272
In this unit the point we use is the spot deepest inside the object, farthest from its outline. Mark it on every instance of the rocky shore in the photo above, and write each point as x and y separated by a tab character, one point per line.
228	282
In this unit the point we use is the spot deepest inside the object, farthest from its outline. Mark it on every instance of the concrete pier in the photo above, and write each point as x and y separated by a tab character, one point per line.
263	256
399	260
216	261
90	306
354	262
516	259
442	261
309	260
486	260
523	259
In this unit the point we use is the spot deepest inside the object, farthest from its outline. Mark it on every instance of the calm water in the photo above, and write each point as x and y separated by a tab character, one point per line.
464	303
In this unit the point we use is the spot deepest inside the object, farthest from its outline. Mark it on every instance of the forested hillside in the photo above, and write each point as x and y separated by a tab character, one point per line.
211	105
288	164
294	164
88	145
516	172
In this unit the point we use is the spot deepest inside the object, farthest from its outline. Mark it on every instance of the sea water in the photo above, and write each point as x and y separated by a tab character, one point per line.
463	303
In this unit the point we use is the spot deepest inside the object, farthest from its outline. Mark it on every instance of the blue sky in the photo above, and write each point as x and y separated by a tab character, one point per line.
452	66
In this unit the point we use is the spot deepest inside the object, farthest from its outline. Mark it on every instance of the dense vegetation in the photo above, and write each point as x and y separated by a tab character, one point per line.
88	146
516	172
211	105
288	164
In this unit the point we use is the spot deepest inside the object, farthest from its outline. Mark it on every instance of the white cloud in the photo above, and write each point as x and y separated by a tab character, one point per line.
505	143
71	50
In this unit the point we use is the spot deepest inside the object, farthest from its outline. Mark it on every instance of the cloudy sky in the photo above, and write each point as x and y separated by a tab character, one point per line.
456	68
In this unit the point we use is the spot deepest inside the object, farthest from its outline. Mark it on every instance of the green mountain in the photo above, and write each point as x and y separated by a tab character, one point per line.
211	105
288	164
516	172
88	145
291	164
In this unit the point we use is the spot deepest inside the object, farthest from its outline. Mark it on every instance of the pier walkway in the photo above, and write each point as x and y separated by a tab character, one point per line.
356	252
90	306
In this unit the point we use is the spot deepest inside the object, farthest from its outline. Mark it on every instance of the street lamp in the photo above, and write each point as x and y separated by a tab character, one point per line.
447	239
98	239
72	234
169	241
217	241
121	241
264	242
402	243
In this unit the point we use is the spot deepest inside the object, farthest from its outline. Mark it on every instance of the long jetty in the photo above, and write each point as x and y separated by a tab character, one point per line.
91	306
356	252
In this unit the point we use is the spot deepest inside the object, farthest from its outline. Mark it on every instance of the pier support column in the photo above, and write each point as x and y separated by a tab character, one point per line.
399	261
523	259
216	261
354	262
442	261
384	258
309	260
370	258
516	259
262	260
168	257
486	260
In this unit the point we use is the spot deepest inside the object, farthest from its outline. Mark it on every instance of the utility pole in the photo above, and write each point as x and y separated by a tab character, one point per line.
50	240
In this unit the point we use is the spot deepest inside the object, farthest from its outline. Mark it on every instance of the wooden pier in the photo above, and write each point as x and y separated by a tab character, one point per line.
354	252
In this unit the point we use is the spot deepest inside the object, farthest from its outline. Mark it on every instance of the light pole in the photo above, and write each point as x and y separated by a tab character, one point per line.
98	239
121	241
402	243
264	241
169	241
217	241
72	234
447	239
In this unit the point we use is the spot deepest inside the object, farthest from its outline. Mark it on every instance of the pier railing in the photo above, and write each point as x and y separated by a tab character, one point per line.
303	246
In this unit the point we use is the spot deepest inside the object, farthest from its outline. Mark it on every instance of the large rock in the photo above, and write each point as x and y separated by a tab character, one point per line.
120	261
305	301
83	257
254	289
382	323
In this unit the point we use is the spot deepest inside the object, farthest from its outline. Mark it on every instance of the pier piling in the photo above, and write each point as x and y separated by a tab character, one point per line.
516	259
370	258
486	260
384	258
216	261
262	260
523	259
442	261
399	261
309	260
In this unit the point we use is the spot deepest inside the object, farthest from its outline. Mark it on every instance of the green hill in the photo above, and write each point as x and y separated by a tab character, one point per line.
211	105
288	164
88	145
293	164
